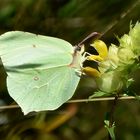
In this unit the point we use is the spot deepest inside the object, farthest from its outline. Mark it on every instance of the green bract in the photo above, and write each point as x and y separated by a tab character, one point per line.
110	82
135	36
39	68
111	62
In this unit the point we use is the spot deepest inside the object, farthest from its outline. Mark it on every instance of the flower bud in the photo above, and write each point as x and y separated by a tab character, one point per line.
126	56
110	82
126	41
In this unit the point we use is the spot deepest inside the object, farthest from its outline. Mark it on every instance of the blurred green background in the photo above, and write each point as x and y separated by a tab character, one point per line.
71	20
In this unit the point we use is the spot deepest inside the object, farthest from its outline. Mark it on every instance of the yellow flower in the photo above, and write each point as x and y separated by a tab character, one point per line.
101	48
91	72
107	79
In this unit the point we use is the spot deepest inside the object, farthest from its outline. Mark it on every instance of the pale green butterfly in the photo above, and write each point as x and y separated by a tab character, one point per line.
41	70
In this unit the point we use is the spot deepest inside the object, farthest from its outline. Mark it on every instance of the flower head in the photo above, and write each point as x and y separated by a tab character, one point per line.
116	63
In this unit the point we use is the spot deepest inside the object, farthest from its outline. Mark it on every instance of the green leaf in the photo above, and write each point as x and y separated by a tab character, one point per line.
40	75
99	94
110	129
129	82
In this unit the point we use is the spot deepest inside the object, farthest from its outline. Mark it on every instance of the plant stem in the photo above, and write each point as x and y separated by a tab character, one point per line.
80	101
111	114
111	120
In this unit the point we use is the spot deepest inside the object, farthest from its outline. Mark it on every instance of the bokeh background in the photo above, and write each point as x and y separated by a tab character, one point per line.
71	20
